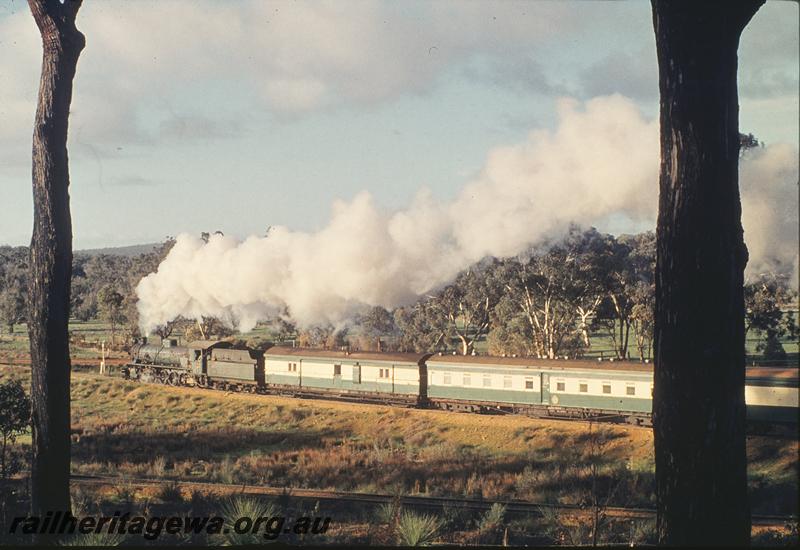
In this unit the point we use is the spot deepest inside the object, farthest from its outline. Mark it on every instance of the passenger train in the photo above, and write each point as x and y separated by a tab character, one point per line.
578	389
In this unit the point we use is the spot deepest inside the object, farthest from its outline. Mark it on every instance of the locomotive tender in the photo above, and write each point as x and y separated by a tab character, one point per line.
610	390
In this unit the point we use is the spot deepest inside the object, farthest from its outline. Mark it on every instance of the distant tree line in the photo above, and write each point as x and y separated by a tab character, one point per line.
103	287
551	301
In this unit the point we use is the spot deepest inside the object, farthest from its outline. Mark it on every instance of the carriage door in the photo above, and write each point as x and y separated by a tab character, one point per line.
545	388
356	374
337	376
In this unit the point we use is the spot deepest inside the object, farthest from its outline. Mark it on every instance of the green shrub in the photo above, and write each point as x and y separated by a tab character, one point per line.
493	518
250	507
416	530
386	513
170	492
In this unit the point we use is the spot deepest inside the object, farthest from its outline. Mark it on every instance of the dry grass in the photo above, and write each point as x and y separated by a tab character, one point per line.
173	433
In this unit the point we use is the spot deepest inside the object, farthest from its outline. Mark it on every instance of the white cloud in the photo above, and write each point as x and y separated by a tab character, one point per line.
292	58
768	52
295	57
632	74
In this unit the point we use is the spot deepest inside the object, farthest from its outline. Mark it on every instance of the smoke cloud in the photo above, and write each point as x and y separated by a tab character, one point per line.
769	189
601	162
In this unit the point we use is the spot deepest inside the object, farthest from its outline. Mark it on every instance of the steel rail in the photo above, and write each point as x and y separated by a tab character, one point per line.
419	501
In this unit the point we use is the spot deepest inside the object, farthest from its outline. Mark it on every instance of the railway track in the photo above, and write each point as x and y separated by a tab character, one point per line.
434	503
430	503
776	430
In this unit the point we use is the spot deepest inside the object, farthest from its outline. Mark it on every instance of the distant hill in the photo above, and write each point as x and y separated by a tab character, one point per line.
130	251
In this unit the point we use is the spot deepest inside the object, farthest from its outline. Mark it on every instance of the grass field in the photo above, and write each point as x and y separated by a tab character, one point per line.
130	429
133	430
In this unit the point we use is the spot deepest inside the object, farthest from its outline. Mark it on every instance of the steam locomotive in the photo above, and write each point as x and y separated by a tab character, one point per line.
577	389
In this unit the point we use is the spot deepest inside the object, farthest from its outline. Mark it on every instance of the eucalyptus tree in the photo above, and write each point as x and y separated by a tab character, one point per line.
13	282
765	299
698	401
51	257
421	327
467	304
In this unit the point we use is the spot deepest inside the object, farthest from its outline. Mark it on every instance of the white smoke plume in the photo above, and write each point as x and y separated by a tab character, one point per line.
769	188
601	161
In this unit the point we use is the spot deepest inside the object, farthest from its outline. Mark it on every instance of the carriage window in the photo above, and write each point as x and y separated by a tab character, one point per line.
446	378
506	381
560	386
383	373
583	387
337	369
467	380
487	380
630	389
529	383
606	387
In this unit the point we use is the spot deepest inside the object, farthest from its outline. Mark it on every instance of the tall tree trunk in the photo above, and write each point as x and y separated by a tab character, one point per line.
51	257
625	341
464	345
698	401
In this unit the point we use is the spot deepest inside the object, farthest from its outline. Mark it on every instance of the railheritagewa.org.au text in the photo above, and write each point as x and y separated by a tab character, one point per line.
270	527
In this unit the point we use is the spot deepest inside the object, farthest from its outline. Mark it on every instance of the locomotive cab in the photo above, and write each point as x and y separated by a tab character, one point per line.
199	355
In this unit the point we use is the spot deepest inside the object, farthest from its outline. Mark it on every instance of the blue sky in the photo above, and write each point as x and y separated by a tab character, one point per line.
191	117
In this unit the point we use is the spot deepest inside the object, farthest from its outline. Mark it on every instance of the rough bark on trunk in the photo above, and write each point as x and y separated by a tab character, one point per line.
698	401
51	257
